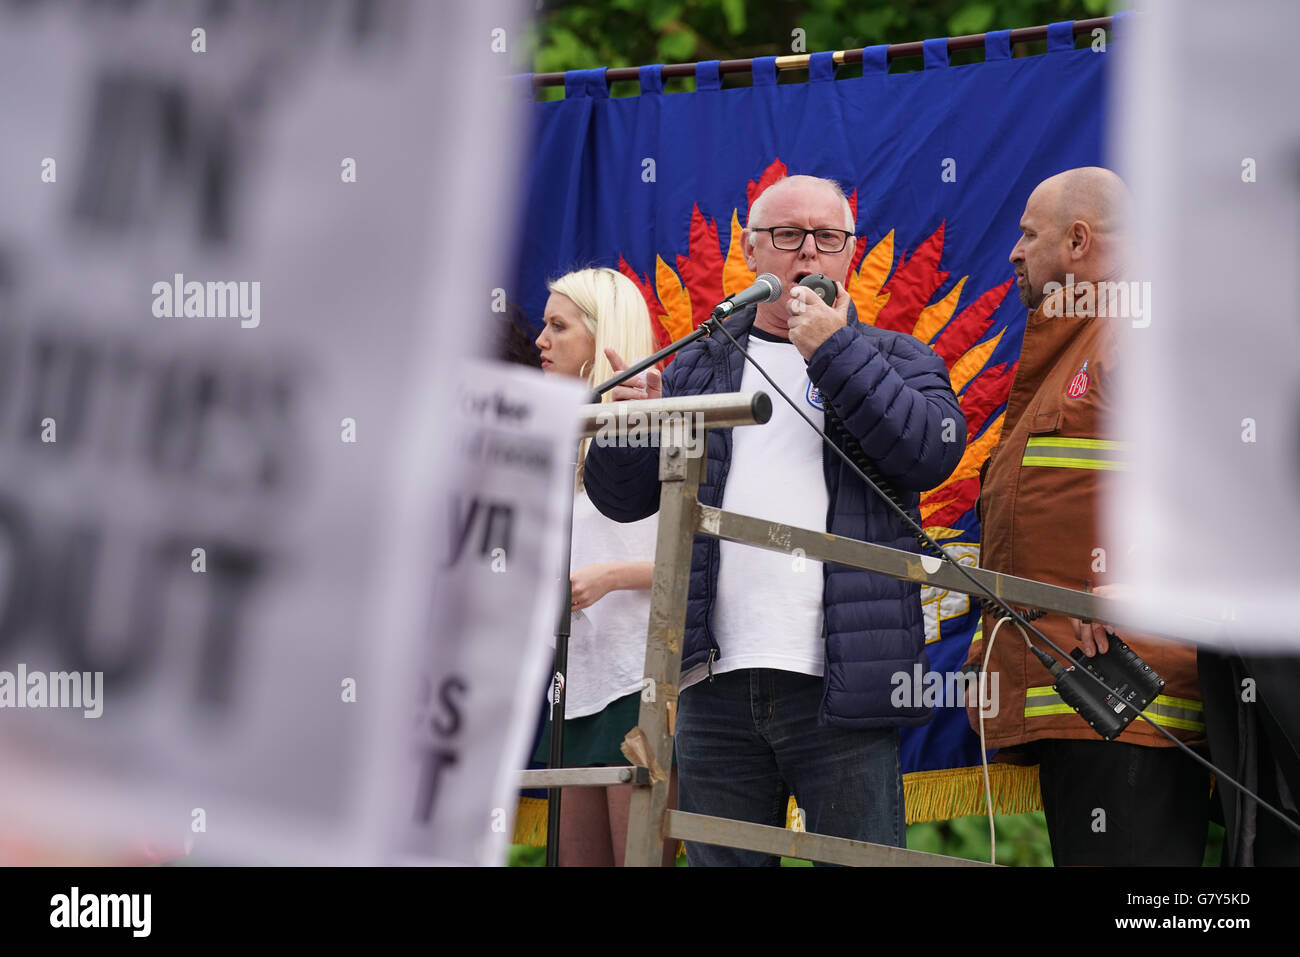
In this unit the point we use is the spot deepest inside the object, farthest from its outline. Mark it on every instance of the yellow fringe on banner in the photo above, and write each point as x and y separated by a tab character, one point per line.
959	792
530	822
929	796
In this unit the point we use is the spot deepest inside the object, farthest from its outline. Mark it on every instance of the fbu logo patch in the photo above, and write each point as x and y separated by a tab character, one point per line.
1079	384
815	397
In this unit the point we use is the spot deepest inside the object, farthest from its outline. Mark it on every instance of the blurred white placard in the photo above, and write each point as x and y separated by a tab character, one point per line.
494	606
1208	129
244	250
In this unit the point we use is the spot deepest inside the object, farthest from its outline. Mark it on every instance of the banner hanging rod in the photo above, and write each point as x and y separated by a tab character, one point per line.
799	61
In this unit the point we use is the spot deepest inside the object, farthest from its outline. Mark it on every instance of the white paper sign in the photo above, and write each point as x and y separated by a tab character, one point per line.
243	249
1210	143
495	603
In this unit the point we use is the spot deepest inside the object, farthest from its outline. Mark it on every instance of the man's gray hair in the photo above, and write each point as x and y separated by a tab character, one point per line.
756	210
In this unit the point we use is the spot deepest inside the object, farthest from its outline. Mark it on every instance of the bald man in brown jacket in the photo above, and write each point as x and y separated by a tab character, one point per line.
1137	800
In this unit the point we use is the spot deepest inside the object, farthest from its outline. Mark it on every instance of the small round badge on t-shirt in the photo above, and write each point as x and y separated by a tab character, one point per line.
814	397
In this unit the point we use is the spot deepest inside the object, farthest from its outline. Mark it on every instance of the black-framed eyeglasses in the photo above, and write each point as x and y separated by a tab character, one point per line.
790	238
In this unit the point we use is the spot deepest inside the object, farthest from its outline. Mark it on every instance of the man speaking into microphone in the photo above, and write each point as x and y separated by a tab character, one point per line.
786	665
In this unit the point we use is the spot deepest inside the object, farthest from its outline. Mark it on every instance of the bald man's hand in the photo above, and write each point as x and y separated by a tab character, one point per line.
812	322
1091	635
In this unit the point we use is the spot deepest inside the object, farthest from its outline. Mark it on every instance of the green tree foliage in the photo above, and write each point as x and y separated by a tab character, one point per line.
582	34
1022	839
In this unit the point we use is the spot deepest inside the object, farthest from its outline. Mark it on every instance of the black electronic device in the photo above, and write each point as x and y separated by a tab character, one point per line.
1135	685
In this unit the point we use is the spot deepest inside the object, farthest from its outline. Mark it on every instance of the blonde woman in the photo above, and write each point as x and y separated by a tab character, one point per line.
591	316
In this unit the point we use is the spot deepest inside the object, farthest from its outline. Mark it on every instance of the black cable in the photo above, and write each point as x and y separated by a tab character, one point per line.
929	543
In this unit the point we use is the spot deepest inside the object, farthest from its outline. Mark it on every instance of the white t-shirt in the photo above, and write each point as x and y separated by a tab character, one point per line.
607	639
767	612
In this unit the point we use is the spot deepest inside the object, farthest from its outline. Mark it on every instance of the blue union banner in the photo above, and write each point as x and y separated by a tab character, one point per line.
937	165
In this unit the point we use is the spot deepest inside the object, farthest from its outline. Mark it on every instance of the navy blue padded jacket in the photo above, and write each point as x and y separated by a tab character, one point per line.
893	395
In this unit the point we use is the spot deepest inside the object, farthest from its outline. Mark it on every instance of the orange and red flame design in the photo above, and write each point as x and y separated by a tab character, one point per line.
886	294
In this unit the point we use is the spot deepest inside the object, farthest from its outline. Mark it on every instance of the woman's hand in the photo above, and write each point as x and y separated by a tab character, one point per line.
590	584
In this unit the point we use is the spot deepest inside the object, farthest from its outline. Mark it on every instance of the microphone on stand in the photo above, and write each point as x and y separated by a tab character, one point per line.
766	288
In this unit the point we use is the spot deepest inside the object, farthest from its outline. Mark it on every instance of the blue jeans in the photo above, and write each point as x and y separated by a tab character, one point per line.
748	739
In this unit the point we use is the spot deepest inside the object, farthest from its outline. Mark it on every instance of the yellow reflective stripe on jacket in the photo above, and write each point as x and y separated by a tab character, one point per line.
1058	452
1109	444
1183	713
1045	700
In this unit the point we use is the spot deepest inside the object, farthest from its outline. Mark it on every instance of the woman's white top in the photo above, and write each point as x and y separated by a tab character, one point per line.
607	639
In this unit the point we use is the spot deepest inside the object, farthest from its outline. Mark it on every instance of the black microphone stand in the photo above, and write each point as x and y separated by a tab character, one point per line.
565	625
556	696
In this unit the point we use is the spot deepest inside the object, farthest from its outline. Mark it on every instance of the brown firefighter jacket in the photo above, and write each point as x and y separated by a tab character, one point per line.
1040	505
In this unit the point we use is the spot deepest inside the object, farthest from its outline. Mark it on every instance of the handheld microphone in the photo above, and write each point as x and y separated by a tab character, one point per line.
825	288
766	288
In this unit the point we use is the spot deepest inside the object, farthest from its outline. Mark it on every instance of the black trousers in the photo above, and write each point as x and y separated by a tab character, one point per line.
1122	805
